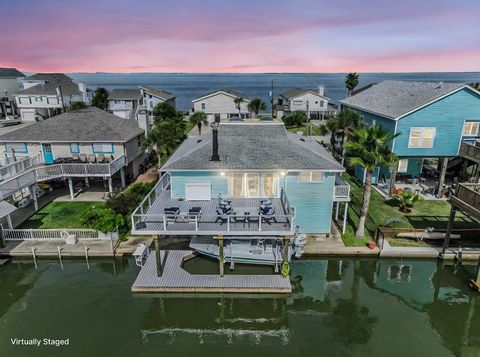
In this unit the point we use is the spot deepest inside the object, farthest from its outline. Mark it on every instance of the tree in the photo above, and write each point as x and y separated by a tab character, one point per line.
331	127
369	148
165	110
165	136
76	106
238	101
256	105
475	85
100	98
199	119
296	118
351	81
348	120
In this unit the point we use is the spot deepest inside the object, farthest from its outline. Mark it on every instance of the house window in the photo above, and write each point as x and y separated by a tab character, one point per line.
322	103
421	137
203	106
102	148
244	185
402	165
470	128
374	122
20	148
297	102
311	176
117	101
38	99
74	148
151	104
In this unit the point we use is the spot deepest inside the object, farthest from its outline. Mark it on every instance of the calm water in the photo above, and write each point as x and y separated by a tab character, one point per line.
339	308
189	86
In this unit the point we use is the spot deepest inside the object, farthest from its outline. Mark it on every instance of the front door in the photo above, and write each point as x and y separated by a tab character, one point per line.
47	153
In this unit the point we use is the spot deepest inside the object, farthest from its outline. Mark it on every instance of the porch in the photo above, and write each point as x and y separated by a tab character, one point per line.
244	218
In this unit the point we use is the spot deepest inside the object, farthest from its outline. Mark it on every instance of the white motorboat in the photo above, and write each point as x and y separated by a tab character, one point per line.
251	250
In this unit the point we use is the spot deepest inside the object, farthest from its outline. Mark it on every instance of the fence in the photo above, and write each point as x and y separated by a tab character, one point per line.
52	234
466	234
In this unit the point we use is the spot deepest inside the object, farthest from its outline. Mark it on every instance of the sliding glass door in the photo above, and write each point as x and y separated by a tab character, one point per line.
252	184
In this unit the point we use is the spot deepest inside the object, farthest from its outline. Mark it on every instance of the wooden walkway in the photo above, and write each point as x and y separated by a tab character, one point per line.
177	279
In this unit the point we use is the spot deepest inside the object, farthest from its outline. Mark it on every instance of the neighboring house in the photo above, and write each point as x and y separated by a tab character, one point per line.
47	94
124	102
8	86
84	143
219	105
246	163
312	101
152	97
435	120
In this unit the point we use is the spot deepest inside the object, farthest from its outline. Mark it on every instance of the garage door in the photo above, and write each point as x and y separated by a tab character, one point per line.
198	191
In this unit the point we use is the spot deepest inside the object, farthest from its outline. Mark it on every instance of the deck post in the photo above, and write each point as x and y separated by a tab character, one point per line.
87	182
122	177
9	221
477	275
286	240
345	214
31	191
336	211
221	256
2	239
158	256
441	178
453	210
110	185
70	187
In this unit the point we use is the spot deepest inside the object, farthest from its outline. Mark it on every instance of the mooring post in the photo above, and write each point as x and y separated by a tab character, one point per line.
34	257
60	256
158	257
86	257
475	282
2	239
449	231
286	240
220	254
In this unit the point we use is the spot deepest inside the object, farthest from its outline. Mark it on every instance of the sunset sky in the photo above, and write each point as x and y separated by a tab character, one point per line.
241	36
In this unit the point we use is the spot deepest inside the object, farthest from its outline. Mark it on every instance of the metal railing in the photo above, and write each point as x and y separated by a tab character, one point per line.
469	193
342	188
16	167
469	151
50	234
150	198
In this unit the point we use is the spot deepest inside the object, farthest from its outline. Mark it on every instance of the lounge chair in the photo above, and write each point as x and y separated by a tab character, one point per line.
91	158
83	157
75	157
171	214
194	213
268	215
100	158
221	216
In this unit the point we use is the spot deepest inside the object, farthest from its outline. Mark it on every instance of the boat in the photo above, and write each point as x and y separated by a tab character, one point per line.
250	250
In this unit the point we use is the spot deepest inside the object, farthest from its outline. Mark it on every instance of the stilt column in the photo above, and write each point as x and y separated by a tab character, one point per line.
221	256
345	214
451	219
122	177
70	187
158	257
31	191
110	185
286	241
441	179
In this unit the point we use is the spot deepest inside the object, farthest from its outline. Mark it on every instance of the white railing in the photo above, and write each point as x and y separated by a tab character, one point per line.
342	188
150	198
16	167
50	234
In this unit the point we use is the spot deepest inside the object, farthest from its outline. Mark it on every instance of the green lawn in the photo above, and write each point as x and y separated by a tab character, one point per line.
59	215
303	129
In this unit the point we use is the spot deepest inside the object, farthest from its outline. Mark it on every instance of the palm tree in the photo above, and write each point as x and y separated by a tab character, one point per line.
348	120
331	127
256	105
100	98
199	119
165	110
475	85
351	81
238	101
165	136
369	148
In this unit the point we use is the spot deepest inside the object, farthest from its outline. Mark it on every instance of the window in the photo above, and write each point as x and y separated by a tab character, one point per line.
38	99
402	165
421	137
102	148
297	102
311	176
203	106
470	128
117	102
374	122
74	148
16	147
322	103
151	104
139	140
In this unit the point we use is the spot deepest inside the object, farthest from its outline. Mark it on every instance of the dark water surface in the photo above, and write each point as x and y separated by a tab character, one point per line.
339	308
189	86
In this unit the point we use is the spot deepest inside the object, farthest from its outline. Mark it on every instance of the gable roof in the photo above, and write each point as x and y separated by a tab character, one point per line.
259	146
158	93
10	73
51	77
296	92
394	99
85	125
125	94
52	81
230	92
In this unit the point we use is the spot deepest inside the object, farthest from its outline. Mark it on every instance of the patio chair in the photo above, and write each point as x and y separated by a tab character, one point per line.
100	158
194	213
75	157
267	215
221	216
83	157
91	158
171	214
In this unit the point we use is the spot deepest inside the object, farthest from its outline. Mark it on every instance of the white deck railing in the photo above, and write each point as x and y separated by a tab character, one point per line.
49	234
16	167
342	188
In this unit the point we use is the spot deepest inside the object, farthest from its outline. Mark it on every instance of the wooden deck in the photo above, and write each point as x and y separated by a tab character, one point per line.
207	223
175	279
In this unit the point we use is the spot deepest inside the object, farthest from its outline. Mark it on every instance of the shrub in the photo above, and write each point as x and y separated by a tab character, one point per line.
103	219
296	118
125	202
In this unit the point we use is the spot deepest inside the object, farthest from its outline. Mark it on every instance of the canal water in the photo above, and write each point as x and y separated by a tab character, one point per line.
340	307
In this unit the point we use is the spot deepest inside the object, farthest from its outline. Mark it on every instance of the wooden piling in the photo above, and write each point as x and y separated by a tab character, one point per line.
286	241
158	257
475	282
221	255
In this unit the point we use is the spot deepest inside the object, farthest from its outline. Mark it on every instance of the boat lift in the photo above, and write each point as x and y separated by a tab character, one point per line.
141	254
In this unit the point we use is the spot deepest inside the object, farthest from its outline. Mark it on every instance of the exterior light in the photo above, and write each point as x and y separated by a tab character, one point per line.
282	173
222	173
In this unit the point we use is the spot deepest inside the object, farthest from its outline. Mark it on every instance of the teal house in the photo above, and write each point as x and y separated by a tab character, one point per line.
436	121
246	165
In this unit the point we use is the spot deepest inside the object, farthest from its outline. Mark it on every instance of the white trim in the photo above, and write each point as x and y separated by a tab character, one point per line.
422	129
245	170
302	94
406	166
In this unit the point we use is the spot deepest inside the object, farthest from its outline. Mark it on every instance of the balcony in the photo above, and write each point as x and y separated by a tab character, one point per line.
467	198
470	151
342	190
149	217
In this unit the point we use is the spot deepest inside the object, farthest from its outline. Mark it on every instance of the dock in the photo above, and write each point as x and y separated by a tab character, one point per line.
175	279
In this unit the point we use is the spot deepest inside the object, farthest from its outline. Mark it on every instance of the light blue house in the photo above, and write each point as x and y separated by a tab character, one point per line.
435	120
245	163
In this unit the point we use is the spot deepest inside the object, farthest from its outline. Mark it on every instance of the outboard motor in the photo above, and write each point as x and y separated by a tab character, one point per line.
299	243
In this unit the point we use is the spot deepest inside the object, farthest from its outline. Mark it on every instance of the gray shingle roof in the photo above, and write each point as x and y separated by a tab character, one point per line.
51	77
6	208
125	94
52	81
392	99
233	93
10	73
85	125
295	92
242	146
158	93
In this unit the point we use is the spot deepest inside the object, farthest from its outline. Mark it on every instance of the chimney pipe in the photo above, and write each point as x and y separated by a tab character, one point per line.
215	156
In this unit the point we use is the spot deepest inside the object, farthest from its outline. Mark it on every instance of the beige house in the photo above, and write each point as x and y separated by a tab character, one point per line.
220	105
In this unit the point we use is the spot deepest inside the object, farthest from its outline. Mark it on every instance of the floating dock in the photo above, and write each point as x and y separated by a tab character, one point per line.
175	279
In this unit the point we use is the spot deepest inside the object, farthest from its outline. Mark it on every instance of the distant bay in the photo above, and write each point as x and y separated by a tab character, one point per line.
187	86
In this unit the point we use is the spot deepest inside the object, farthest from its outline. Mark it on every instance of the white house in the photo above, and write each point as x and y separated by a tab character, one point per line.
8	86
124	102
312	101
47	94
220	105
152	97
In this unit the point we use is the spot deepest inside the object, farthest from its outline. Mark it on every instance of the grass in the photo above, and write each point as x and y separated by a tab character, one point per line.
59	215
303	129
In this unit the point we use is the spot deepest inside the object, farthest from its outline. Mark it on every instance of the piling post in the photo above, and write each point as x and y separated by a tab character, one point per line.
2	239
86	257
60	256
158	257
34	258
221	256
475	282
453	211
286	240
